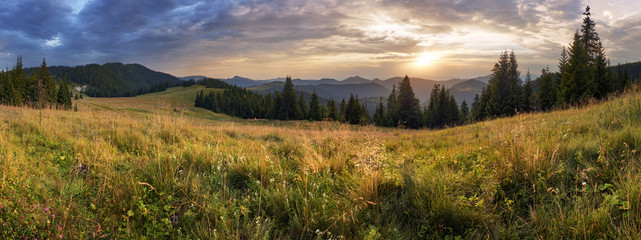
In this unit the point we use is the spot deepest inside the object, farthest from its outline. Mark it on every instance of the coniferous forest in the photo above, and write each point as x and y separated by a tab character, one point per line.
35	90
584	74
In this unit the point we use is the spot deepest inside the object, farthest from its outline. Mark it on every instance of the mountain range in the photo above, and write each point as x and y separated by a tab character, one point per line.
462	89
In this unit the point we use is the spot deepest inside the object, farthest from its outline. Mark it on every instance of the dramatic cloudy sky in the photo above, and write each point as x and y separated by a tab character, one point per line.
263	39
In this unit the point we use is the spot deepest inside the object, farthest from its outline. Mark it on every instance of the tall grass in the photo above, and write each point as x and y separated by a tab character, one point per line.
126	168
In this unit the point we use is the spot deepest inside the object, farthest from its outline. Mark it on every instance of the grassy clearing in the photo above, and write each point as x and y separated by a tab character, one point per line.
153	167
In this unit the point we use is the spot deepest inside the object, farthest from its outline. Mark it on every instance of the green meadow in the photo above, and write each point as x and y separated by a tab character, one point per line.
154	167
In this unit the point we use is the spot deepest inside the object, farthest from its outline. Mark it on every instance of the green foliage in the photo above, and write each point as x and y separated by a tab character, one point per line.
408	112
576	82
504	95
115	79
36	90
442	110
315	113
289	103
547	90
528	99
380	118
464	113
332	113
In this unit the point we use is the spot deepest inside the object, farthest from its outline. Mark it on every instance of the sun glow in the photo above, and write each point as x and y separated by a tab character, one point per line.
426	58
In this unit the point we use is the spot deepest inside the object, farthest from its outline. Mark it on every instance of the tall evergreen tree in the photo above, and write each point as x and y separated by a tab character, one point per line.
17	84
290	105
341	110
464	113
315	108
476	109
332	112
4	87
64	95
392	106
502	97
379	114
547	90
48	83
353	110
442	109
575	85
409	114
302	104
528	98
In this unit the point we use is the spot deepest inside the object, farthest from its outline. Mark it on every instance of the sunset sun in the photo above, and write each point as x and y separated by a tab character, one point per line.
425	59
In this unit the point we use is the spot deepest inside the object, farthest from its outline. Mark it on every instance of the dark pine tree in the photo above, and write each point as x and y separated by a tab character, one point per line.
547	90
392	107
408	112
64	95
379	114
464	113
302	104
341	111
575	86
528	99
332	112
315	108
290	105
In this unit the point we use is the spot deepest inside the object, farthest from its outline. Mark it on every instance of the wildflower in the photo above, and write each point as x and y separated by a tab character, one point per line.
584	183
53	215
59	228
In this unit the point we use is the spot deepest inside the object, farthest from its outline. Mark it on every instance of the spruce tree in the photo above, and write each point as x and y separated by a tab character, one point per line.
502	97
342	109
392	106
575	82
49	84
332	112
302	104
464	113
352	110
4	84
547	90
476	109
409	114
379	114
17	85
528	99
314	108
290	105
452	117
64	97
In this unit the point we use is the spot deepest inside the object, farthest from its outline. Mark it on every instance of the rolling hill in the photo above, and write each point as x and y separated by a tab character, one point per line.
152	166
466	91
112	79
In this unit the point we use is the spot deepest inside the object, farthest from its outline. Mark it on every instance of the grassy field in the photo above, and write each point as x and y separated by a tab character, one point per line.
153	167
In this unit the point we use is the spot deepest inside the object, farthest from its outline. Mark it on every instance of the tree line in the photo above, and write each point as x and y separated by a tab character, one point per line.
584	74
36	90
284	105
115	79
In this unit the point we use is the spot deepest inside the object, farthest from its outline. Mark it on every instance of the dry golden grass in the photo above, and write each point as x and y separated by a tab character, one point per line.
132	167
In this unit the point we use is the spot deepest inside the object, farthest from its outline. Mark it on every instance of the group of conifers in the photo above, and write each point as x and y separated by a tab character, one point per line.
35	90
584	74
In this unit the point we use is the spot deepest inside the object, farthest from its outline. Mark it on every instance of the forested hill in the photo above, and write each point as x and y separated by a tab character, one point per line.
113	79
633	70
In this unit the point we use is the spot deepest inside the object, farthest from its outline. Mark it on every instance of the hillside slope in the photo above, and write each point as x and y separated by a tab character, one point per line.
112	79
128	169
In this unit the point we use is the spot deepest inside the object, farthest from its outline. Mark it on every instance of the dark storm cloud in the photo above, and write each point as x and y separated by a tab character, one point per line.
119	29
493	14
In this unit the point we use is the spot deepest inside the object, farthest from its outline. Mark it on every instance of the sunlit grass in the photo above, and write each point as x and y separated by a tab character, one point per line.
154	166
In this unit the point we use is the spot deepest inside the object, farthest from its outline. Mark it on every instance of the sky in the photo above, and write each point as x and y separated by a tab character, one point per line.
311	39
